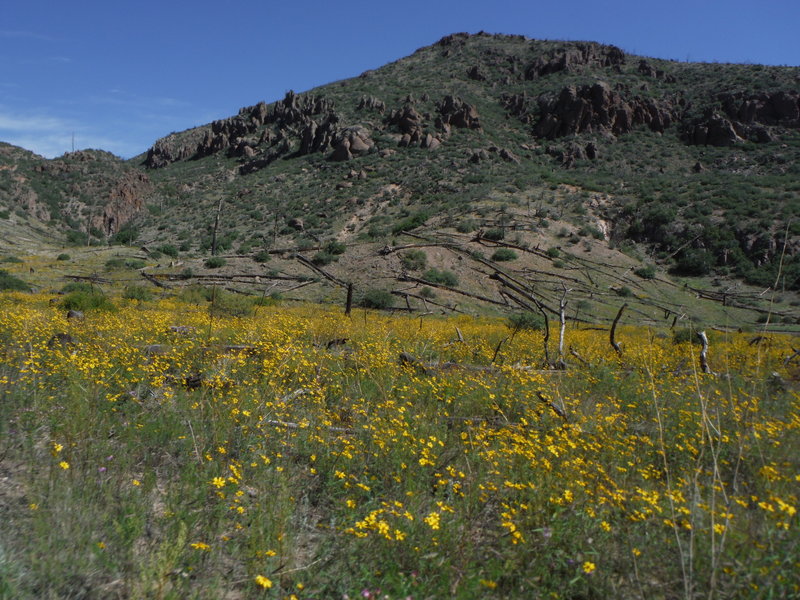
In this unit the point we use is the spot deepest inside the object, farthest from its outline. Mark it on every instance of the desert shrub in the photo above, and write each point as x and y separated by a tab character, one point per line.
504	254
77	286
376	298
553	252
127	235
227	304
466	226
10	282
196	294
414	260
411	222
124	263
427	292
169	250
646	272
262	256
215	262
77	238
83	301
323	258
693	262
443	277
681	336
63	256
137	292
494	234
624	291
526	321
335	248
10	259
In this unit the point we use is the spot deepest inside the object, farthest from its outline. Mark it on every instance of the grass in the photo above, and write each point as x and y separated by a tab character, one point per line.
303	464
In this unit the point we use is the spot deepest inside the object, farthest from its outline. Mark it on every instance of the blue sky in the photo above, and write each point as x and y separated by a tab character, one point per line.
120	74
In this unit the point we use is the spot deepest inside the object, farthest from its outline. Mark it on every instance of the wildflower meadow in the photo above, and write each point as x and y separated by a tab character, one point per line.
162	450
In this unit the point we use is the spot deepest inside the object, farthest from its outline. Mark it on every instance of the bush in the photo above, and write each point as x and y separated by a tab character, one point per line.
494	235
262	257
10	282
169	250
215	262
681	336
126	235
530	321
322	258
376	298
414	260
63	256
137	292
693	262
624	291
411	222
447	278
226	304
124	263
504	254
77	286
77	238
646	272
553	252
427	292
83	301
335	248
466	226
10	259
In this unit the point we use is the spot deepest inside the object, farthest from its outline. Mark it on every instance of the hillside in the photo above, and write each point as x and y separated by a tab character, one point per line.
482	172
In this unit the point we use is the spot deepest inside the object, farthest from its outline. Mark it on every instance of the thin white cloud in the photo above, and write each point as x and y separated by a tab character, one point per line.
31	35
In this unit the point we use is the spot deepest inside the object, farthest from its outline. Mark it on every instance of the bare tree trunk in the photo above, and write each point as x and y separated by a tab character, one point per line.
704	353
216	226
562	306
612	336
349	302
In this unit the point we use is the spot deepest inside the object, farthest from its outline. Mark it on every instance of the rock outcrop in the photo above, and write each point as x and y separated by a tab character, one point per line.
573	57
598	109
125	201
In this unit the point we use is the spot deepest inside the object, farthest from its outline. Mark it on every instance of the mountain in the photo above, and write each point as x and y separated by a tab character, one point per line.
498	168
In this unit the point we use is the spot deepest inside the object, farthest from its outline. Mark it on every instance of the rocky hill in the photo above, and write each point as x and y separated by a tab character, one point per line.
573	157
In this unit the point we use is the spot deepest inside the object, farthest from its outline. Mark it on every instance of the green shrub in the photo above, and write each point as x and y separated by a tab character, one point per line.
10	282
335	248
124	263
414	260
10	259
127	235
624	291
427	292
322	258
77	238
63	256
83	301
530	321
466	226
77	286
411	222
137	292
227	304
169	250
376	298
646	272
553	252
494	234
262	256
504	254
681	336
693	262
215	262
447	278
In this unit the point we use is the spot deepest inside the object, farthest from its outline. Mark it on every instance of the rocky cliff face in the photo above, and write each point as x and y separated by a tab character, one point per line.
126	201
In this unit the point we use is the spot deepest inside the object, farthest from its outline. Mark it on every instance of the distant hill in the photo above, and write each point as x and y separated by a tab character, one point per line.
570	156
